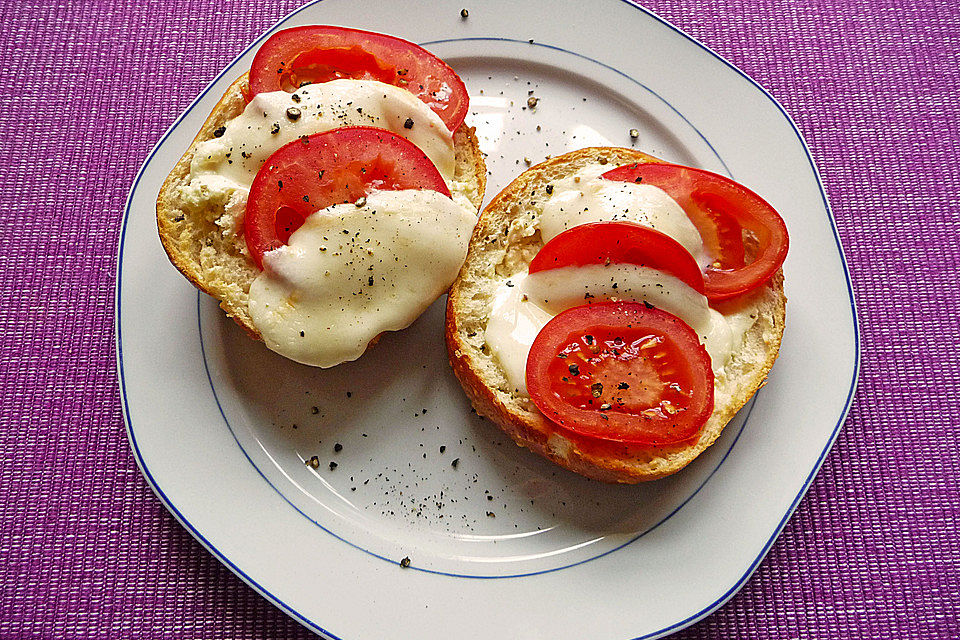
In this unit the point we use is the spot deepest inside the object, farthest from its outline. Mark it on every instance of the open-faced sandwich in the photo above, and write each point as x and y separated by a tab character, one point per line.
614	311
331	193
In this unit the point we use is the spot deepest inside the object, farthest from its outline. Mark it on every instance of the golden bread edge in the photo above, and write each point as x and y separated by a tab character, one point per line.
173	222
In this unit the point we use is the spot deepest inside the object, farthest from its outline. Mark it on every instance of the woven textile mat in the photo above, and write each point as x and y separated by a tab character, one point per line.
87	551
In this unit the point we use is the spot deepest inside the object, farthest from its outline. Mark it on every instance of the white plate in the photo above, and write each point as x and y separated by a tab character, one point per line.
211	414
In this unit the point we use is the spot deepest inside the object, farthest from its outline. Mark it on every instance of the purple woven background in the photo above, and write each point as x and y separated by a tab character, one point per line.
86	89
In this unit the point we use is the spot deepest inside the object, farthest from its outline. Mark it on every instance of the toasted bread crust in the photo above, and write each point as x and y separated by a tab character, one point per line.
503	242
217	265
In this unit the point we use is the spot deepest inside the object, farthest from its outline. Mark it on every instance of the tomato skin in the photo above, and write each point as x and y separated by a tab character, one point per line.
333	167
322	53
617	243
720	209
621	372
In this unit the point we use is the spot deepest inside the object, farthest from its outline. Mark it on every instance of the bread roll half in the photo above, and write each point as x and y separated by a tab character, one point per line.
213	257
504	242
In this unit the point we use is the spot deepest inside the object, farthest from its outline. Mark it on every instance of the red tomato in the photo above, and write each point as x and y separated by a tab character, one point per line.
618	243
292	57
334	167
721	209
621	372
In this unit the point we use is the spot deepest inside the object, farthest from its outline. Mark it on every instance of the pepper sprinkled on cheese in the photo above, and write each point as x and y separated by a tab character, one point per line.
355	270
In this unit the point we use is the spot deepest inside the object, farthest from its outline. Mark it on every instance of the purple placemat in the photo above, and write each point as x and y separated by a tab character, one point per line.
86	89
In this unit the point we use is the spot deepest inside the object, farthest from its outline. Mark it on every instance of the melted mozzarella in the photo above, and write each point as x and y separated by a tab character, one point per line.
350	273
276	118
586	197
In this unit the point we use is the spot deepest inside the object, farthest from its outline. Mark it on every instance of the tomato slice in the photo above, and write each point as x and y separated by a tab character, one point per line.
621	372
721	232
617	243
334	167
292	57
721	209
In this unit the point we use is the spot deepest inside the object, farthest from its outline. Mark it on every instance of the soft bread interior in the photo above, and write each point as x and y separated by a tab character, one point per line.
504	241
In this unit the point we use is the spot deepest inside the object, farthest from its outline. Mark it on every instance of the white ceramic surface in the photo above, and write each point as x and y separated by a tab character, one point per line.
502	544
